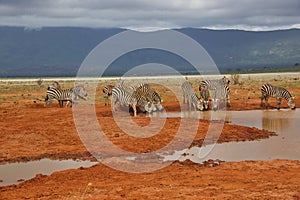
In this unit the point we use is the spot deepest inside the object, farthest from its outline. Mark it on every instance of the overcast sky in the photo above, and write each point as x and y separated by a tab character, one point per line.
153	14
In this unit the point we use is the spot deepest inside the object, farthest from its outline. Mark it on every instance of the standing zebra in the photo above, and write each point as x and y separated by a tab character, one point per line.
59	95
190	97
107	90
130	99
221	94
268	90
68	95
150	94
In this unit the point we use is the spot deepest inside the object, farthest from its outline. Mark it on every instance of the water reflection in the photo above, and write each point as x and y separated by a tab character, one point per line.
279	121
284	146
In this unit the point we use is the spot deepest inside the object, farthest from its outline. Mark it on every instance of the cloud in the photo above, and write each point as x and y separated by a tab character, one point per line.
154	14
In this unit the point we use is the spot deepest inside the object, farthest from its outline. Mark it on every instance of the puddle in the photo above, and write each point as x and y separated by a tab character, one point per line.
14	173
284	146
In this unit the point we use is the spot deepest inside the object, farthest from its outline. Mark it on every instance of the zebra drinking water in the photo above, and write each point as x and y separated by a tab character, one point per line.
151	95
268	90
218	89
190	97
126	98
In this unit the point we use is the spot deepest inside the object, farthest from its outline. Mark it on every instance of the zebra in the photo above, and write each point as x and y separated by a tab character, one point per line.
221	94
59	95
79	92
68	95
190	97
130	99
107	90
214	84
151	95
268	90
211	87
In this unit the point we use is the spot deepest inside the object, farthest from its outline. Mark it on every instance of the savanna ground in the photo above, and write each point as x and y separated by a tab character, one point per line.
31	132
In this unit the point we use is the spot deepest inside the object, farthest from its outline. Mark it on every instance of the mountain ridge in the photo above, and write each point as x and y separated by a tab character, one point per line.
59	51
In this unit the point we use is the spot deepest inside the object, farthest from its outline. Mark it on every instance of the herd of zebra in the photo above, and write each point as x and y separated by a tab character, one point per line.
141	95
218	90
144	97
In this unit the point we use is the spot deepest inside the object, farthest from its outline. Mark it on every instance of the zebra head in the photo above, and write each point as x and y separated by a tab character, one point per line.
205	104
159	106
82	92
225	80
149	107
291	103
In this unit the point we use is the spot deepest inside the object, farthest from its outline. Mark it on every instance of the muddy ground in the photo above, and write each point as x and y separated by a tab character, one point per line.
31	132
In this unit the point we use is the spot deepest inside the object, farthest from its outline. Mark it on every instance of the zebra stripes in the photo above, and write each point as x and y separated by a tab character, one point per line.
218	89
150	94
125	98
59	95
221	94
190	97
268	90
214	84
68	95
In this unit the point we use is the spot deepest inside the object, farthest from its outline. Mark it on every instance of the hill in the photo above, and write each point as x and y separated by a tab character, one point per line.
59	51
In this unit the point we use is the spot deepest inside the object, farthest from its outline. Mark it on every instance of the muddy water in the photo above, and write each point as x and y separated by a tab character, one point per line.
17	172
284	146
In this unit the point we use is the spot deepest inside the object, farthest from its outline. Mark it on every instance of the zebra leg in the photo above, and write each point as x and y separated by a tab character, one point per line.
46	101
278	103
190	103
113	104
228	100
261	101
67	103
266	101
45	104
134	109
61	103
215	104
